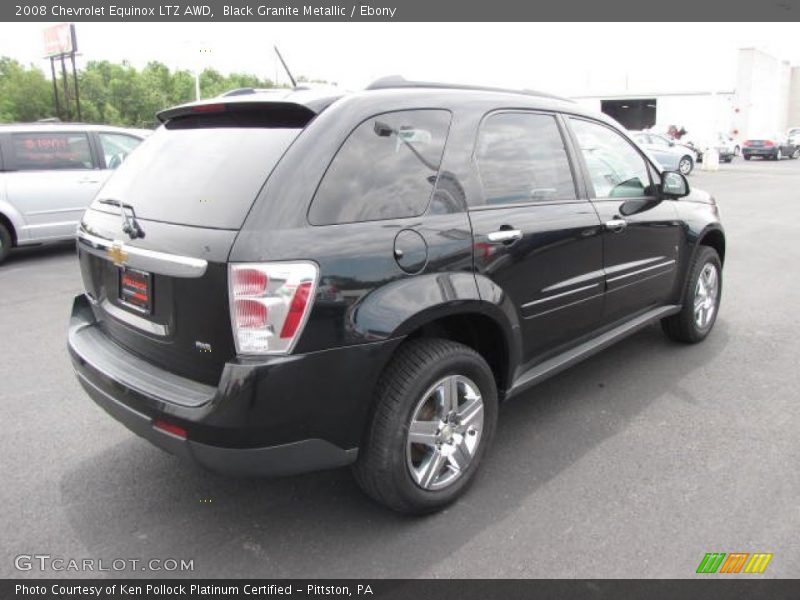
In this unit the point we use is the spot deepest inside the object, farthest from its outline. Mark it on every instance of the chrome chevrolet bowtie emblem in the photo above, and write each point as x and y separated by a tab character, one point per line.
117	255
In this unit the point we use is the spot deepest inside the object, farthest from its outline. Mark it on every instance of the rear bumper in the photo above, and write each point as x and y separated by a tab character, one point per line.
273	416
769	152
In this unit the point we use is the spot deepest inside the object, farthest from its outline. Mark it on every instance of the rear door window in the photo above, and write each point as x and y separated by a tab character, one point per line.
521	158
49	151
386	169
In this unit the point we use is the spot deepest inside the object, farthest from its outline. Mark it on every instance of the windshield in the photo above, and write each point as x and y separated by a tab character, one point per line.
206	177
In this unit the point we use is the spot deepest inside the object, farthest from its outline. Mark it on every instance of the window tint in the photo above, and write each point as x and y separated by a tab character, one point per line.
386	169
38	151
521	158
616	169
116	147
207	177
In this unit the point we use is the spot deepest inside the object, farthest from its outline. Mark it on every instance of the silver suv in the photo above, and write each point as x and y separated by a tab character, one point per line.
49	174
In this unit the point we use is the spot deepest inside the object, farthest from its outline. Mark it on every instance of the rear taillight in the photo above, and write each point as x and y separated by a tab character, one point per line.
768	144
270	303
747	144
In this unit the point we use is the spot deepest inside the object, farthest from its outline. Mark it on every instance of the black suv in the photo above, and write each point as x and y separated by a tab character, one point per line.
280	282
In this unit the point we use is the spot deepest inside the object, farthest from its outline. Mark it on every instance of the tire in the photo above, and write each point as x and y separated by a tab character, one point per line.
737	151
685	165
390	468
778	155
686	325
795	154
5	242
746	157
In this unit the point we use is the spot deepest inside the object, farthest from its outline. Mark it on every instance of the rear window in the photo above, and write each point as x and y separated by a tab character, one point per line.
205	177
47	151
386	169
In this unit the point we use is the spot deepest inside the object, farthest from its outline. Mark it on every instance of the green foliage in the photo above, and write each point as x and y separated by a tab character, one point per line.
113	94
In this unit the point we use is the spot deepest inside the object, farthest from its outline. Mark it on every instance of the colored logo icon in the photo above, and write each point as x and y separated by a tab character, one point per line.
736	562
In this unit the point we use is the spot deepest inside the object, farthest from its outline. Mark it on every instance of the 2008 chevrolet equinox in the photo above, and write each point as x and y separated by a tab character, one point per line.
279	282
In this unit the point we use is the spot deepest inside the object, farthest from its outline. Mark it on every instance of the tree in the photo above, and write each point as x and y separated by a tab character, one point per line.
110	93
25	94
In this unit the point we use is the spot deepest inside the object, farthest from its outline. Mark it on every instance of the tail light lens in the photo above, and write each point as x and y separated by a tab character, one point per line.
747	143
270	303
769	144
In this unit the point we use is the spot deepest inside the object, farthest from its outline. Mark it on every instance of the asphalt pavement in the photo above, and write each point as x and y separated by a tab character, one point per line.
634	463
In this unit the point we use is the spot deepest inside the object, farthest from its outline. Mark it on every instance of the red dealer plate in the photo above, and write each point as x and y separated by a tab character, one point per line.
136	290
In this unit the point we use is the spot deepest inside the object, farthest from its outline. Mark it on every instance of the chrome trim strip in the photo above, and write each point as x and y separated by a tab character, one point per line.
554	296
563	306
152	261
669	263
599	274
629	265
134	320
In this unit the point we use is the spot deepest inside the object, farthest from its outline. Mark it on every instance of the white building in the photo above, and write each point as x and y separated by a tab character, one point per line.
764	100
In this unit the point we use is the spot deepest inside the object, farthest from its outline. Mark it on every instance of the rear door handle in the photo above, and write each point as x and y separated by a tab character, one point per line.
504	235
616	225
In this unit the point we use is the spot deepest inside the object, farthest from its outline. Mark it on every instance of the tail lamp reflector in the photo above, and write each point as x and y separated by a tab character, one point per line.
270	303
170	428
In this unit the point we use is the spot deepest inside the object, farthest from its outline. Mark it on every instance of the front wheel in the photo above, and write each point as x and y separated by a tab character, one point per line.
434	417
700	301
737	151
779	155
686	165
796	154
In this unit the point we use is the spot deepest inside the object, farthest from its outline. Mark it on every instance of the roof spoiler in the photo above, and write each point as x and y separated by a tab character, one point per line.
297	103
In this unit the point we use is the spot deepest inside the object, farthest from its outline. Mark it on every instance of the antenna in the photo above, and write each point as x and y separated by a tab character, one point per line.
283	62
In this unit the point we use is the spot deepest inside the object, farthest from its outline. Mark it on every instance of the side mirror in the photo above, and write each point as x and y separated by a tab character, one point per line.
674	185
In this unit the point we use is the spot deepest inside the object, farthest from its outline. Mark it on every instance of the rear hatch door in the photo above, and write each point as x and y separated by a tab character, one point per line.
154	244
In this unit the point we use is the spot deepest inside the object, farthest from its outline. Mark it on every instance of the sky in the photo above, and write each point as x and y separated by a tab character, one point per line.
570	59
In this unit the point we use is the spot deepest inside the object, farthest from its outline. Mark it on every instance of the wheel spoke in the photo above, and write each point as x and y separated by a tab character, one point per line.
461	456
431	468
471	413
423	432
448	395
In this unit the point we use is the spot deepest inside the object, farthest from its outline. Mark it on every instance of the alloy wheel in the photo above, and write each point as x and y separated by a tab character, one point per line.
444	432
685	166
705	296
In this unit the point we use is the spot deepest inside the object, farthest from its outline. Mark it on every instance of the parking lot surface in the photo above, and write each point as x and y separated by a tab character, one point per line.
634	463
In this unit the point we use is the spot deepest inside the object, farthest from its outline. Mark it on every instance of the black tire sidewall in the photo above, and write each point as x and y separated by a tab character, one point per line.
5	242
458	363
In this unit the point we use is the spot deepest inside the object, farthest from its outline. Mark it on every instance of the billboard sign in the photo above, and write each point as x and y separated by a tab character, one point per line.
59	39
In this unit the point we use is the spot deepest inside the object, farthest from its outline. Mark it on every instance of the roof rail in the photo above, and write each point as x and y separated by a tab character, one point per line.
399	82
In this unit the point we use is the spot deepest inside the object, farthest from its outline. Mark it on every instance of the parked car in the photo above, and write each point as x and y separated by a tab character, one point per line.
49	174
727	147
670	154
772	148
276	284
793	136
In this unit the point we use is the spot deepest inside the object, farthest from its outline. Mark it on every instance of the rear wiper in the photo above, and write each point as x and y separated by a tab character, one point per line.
129	223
